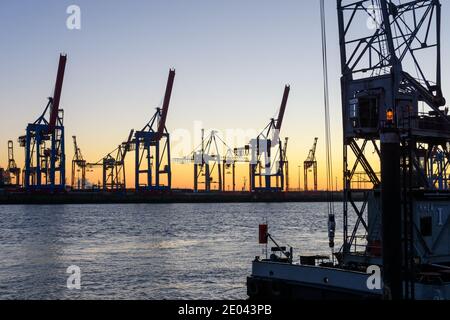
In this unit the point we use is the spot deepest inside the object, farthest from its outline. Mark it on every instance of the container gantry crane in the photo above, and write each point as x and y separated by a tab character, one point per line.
113	166
265	165
44	143
78	165
311	164
152	148
286	163
212	164
12	169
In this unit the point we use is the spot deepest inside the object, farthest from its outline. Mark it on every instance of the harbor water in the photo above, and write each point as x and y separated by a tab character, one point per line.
148	251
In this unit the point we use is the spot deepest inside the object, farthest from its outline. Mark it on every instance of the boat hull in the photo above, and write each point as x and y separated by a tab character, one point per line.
271	280
272	289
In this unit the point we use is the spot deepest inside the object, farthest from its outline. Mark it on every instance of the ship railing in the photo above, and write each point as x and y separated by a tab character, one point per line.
358	243
423	121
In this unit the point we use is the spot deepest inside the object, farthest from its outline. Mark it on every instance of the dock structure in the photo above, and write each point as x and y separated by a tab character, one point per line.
98	196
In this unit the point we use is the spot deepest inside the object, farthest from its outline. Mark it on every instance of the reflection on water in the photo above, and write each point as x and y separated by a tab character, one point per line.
148	251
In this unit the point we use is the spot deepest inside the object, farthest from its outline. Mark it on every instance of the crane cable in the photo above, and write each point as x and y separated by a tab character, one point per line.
329	160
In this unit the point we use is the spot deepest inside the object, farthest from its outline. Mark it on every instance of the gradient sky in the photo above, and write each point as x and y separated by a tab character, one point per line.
232	57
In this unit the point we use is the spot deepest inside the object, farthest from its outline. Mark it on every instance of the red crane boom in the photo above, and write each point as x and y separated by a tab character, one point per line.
165	107
57	93
287	89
